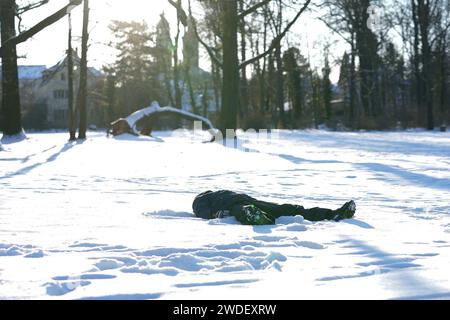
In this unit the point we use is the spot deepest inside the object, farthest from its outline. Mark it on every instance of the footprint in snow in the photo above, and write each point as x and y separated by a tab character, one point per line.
60	288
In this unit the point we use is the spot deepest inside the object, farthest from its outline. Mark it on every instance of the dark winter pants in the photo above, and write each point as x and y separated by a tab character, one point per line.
277	211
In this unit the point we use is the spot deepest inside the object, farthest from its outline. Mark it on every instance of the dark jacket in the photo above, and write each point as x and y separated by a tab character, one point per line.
208	203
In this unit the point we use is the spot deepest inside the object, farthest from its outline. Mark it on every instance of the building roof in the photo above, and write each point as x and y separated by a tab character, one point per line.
35	72
29	72
50	72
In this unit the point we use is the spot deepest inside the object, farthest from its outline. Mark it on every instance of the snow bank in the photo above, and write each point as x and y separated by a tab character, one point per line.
13	139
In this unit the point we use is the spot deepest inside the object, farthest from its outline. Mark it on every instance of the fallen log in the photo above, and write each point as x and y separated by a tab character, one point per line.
129	124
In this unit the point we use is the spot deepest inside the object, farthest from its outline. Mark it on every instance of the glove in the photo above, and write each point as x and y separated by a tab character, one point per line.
252	215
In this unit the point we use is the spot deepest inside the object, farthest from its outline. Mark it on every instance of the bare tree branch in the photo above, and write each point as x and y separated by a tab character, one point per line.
24	36
32	6
208	49
278	39
335	30
253	9
181	13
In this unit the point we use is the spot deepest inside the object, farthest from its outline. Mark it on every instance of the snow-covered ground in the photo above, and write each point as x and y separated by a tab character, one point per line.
112	218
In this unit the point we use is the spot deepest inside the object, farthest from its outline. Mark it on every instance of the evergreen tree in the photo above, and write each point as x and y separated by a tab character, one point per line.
135	69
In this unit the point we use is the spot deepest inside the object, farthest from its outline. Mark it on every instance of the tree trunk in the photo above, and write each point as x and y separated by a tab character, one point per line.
264	92
443	85
352	111
366	47
70	92
176	71
82	90
280	69
230	85
188	78
244	83
403	117
111	96
12	120
279	86
167	83
424	22
315	101
327	88
216	86
418	87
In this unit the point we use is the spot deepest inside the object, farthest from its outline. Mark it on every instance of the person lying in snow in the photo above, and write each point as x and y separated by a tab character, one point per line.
250	211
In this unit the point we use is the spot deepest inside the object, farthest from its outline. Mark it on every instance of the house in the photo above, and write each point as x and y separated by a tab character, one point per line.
51	90
28	76
44	95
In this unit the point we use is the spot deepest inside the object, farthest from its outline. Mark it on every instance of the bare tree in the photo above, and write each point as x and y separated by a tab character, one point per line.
82	89
340	18
70	82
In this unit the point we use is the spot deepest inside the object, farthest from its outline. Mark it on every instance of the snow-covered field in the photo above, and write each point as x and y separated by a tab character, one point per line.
112	218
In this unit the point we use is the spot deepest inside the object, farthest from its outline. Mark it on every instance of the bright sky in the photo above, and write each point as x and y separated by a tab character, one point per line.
48	47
